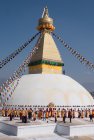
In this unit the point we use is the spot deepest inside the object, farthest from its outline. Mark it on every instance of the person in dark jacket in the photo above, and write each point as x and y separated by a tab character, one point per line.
70	115
64	117
91	117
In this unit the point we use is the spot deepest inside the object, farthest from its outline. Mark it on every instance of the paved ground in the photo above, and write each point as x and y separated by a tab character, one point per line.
18	122
83	138
43	137
47	137
75	121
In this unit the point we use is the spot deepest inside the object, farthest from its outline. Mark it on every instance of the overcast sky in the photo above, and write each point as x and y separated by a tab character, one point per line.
74	21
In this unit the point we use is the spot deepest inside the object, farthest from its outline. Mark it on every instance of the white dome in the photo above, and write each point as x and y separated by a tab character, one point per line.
42	89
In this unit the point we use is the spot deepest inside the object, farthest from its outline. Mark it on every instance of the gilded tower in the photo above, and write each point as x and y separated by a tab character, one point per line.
47	58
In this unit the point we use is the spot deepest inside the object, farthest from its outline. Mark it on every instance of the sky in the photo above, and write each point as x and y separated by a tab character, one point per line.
74	22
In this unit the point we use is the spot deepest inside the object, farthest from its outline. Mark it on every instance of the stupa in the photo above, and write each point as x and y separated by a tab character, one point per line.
46	84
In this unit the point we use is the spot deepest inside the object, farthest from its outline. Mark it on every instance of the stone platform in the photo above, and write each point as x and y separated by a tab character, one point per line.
17	128
78	127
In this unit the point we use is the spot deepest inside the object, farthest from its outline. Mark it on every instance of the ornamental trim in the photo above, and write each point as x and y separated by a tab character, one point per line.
54	63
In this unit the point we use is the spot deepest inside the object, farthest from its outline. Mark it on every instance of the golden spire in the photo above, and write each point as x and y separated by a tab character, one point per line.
45	13
45	22
47	59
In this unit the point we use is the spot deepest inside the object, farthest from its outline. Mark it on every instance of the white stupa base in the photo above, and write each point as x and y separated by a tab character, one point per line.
78	127
27	130
78	130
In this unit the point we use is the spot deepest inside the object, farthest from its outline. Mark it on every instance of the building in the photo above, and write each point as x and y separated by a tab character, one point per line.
46	84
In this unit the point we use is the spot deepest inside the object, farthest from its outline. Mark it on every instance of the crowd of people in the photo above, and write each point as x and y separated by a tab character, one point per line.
44	114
